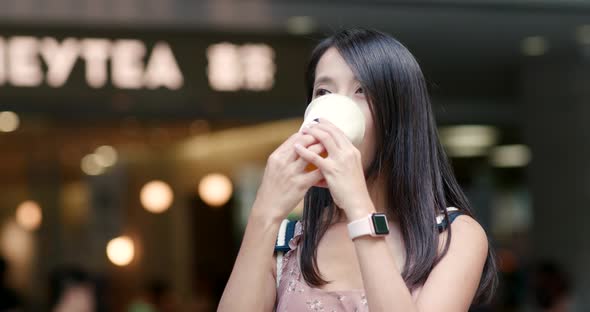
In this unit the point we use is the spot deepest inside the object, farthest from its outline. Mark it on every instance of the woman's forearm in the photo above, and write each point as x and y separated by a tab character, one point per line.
251	286
384	286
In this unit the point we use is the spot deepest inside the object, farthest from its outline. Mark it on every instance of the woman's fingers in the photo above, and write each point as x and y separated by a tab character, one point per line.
337	134
310	156
323	137
301	163
286	149
313	178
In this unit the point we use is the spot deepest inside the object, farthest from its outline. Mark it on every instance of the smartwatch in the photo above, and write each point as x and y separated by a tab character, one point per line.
374	225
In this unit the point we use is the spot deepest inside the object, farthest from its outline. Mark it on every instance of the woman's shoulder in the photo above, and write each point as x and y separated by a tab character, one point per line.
466	225
466	233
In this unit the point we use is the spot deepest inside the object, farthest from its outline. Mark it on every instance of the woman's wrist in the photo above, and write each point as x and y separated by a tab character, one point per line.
360	210
260	213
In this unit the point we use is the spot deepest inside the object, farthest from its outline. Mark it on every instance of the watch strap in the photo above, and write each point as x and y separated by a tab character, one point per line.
361	227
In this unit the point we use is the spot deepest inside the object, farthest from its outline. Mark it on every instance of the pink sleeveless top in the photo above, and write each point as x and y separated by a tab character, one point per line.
294	295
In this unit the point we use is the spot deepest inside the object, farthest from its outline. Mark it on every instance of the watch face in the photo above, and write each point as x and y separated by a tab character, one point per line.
380	223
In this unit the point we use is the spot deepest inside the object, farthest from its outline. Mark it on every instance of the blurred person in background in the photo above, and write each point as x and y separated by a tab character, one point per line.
399	170
10	300
73	290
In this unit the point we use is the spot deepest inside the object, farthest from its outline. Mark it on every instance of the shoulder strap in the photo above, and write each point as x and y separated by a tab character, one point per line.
442	223
286	233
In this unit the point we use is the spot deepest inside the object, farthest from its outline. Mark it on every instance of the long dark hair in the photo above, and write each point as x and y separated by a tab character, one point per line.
419	181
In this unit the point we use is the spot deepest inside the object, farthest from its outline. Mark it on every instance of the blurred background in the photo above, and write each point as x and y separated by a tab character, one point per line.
133	137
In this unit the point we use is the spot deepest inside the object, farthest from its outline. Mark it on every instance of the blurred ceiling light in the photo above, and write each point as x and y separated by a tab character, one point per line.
121	251
300	25
583	34
9	121
91	165
215	189
156	196
28	215
468	140
238	140
506	156
534	46
107	156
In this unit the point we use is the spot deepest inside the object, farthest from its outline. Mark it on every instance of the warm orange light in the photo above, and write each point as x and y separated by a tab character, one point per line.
156	196
90	164
121	251
28	215
215	189
107	155
9	121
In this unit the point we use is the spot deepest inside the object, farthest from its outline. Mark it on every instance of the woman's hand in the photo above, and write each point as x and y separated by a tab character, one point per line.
285	180
342	169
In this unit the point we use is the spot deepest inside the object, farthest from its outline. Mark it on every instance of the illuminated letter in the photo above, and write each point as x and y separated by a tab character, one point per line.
60	59
259	66
126	64
224	69
24	67
96	53
162	69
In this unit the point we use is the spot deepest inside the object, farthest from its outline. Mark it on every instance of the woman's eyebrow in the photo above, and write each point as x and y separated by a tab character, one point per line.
323	79
329	80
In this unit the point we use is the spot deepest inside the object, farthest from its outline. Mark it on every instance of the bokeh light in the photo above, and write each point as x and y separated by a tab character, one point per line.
300	25
9	121
91	165
534	46
506	156
215	189
468	140
28	215
156	196
106	156
121	250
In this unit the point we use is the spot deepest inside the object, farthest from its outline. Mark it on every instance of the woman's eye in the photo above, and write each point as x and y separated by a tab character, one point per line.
360	90
320	92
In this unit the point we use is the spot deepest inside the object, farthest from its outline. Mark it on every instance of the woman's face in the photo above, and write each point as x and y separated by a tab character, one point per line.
333	75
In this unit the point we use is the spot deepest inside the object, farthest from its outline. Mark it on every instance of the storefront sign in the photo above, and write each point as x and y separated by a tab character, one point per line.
27	61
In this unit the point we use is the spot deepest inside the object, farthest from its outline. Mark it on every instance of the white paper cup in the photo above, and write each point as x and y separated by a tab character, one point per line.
340	110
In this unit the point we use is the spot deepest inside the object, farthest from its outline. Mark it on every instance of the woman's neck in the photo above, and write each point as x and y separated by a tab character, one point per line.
377	193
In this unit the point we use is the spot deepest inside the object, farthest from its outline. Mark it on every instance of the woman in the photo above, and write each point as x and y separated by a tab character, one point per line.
400	170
